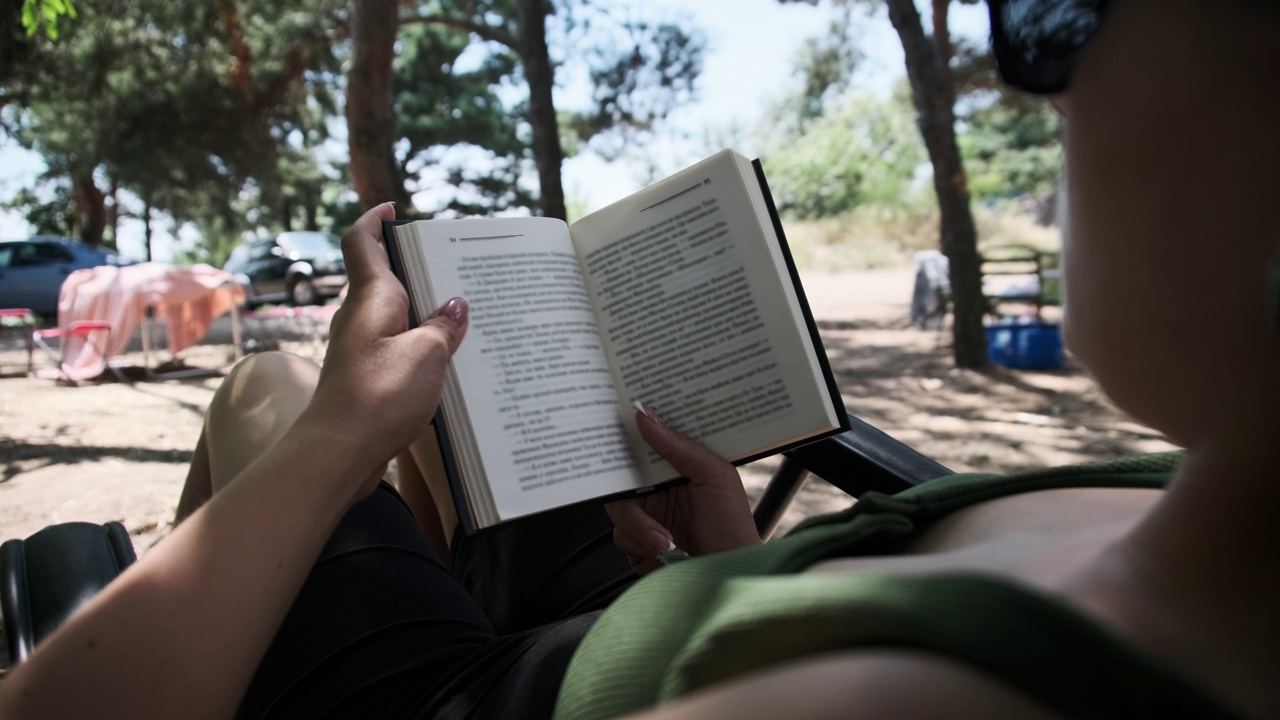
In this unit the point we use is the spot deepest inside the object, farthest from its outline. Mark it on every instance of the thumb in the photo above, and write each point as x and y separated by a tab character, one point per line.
362	254
635	531
449	322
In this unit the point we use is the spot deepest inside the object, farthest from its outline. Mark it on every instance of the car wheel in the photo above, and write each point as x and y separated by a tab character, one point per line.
302	291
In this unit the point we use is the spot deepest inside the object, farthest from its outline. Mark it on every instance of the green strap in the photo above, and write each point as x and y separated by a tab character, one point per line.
1033	643
625	663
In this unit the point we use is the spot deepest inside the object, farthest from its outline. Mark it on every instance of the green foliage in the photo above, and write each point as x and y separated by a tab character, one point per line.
181	105
217	114
826	65
1010	150
51	216
1011	141
45	12
442	105
640	72
639	68
866	152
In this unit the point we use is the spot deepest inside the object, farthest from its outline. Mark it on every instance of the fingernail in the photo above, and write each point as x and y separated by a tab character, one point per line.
647	410
456	310
660	542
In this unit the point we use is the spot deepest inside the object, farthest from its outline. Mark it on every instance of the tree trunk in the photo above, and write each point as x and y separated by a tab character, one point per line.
942	38
934	101
113	215
146	226
531	15
370	112
90	209
312	209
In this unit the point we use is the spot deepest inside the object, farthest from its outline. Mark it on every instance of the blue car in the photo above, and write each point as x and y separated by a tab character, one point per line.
32	270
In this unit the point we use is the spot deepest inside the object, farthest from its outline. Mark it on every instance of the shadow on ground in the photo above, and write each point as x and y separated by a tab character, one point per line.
21	456
903	381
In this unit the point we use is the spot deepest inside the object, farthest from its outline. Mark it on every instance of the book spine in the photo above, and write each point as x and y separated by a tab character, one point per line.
397	262
447	456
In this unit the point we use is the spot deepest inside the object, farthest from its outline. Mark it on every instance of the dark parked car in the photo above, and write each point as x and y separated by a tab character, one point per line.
32	270
301	268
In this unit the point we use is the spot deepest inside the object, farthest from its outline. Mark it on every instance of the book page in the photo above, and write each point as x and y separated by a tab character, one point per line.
534	379
696	316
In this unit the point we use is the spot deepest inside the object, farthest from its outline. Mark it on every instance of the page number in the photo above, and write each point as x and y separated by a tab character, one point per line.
453	239
706	181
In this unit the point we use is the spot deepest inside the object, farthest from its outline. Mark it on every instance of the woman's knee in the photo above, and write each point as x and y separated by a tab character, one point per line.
275	382
257	402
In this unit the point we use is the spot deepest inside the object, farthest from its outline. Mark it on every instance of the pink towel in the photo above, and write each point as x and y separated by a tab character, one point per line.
188	298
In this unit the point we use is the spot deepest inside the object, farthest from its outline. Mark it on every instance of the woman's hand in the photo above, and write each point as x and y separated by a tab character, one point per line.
709	514
381	380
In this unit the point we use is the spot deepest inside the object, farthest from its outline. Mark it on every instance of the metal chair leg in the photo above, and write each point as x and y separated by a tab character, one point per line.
778	494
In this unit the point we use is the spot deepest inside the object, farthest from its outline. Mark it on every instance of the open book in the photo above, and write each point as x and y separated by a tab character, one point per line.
683	296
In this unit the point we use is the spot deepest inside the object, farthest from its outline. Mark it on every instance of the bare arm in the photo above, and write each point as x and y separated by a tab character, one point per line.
181	632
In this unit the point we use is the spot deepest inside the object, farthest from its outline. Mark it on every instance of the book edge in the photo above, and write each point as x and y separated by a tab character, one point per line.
820	350
447	456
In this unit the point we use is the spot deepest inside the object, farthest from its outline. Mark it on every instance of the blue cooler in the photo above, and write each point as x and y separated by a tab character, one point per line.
1025	346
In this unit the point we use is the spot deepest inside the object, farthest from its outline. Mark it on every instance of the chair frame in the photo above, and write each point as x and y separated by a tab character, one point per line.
80	328
30	323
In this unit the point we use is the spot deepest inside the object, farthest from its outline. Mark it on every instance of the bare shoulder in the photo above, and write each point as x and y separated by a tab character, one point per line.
898	684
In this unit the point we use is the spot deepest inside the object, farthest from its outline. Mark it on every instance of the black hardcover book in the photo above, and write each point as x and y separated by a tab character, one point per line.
683	296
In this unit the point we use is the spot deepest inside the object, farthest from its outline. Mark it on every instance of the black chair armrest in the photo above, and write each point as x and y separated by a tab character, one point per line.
46	578
865	458
858	460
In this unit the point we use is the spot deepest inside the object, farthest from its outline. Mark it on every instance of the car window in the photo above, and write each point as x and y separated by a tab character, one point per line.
260	250
41	254
238	255
6	255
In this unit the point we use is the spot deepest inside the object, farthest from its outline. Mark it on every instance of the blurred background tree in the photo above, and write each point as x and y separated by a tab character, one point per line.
225	116
181	107
229	118
863	151
639	70
1010	140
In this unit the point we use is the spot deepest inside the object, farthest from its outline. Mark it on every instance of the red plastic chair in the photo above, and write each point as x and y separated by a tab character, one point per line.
86	329
28	321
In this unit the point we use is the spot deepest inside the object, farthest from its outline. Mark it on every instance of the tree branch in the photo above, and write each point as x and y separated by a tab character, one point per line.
486	32
243	56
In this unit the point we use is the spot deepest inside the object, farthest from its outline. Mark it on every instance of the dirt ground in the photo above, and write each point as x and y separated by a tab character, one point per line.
115	451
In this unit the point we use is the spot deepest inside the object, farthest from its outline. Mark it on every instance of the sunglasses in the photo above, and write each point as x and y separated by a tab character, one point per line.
1036	43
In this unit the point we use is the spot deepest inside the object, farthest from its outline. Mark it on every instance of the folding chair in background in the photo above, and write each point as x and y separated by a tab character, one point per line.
23	320
89	331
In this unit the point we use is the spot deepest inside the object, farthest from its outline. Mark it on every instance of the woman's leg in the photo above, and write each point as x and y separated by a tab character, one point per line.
252	408
420	479
420	482
377	597
380	597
